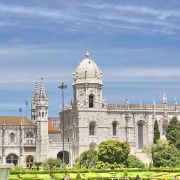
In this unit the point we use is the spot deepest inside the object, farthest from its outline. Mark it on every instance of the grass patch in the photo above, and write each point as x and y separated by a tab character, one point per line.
13	177
27	176
43	176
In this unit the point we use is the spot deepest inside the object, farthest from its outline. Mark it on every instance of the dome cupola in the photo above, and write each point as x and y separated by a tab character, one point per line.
87	71
87	84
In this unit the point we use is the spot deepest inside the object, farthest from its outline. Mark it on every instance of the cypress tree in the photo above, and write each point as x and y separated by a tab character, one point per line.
173	132
156	132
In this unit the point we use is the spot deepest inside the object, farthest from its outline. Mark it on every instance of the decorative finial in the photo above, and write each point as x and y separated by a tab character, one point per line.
87	54
42	90
175	100
36	88
127	101
154	102
164	99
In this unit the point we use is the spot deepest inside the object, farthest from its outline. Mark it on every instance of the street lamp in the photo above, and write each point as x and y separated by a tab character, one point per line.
63	86
26	103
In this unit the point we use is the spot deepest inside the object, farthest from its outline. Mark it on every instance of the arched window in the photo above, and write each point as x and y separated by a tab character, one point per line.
42	114
29	138
114	126
92	128
29	161
34	117
164	127
91	101
12	137
140	136
12	158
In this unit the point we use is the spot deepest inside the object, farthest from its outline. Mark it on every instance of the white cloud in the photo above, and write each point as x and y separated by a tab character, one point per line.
137	16
143	10
33	11
26	75
7	23
26	50
141	74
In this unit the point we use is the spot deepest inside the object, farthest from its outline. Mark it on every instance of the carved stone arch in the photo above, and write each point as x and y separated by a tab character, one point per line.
164	128
91	100
30	137
140	133
29	131
93	146
12	158
12	136
66	156
114	127
29	161
92	128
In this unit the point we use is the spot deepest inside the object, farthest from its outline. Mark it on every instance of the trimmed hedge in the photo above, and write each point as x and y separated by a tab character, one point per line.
49	171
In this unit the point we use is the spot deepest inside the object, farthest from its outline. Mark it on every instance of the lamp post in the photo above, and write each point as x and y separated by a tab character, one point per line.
20	111
63	86
26	103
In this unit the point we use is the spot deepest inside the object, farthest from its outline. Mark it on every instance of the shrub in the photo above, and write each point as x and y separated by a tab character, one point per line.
105	165
78	176
134	162
53	162
125	173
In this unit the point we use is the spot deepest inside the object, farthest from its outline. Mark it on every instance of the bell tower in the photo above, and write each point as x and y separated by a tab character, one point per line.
87	84
40	119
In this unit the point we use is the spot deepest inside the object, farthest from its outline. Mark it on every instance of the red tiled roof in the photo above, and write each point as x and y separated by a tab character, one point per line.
15	120
52	129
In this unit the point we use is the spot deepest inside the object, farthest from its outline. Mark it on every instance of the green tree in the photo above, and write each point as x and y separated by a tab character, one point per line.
37	165
134	162
87	159
165	155
51	162
113	151
177	143
156	132
173	132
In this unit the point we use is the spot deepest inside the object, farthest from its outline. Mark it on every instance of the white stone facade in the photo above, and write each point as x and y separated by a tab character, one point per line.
90	120
23	141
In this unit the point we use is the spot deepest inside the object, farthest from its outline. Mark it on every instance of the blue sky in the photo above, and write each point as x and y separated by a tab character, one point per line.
135	43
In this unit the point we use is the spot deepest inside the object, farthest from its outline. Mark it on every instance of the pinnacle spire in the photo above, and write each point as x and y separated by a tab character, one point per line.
36	88
164	99
42	92
36	91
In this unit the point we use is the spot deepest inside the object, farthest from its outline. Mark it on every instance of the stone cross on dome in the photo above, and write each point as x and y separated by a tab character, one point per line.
87	54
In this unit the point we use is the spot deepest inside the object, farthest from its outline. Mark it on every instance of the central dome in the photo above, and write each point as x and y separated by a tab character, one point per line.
87	71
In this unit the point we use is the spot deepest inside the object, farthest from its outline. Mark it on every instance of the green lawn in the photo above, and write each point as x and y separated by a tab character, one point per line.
91	175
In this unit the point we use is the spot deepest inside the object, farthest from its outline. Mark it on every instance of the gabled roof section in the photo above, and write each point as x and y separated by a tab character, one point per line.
52	129
15	120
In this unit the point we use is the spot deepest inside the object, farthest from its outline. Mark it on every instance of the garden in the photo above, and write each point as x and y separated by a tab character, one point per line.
128	173
113	161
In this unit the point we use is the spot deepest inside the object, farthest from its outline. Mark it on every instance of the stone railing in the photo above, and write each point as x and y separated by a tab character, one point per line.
143	107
